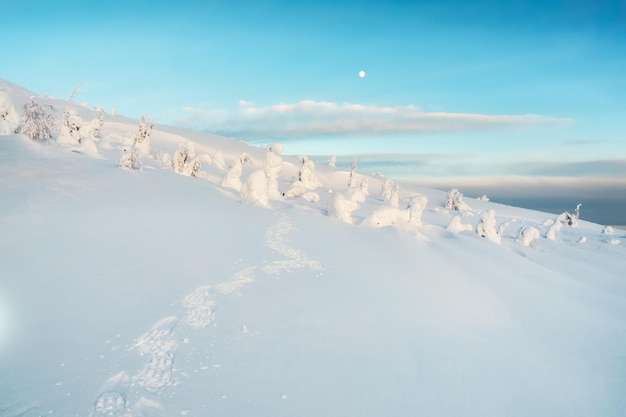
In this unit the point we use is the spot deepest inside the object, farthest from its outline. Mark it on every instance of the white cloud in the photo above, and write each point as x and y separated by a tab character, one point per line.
308	117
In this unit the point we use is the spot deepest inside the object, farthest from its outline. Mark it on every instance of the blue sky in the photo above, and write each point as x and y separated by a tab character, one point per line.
458	91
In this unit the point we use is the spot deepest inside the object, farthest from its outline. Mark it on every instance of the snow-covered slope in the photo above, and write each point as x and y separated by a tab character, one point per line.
149	293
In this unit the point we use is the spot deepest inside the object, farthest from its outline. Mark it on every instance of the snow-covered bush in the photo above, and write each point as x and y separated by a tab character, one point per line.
332	161
273	165
607	230
487	226
416	207
131	158
9	119
233	176
255	189
341	205
528	234
455	226
38	123
185	160
454	201
69	132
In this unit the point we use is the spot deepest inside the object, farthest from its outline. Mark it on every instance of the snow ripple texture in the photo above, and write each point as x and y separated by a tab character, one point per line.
160	342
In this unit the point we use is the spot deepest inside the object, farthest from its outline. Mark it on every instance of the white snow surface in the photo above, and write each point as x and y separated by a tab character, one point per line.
149	293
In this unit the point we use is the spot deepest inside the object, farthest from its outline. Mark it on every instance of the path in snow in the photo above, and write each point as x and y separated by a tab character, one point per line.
121	394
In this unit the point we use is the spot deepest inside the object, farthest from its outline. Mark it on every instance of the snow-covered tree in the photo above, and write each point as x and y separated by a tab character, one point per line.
233	177
97	123
143	135
352	179
307	174
255	189
69	132
487	226
38	123
305	182
273	165
577	211
454	201
9	119
332	161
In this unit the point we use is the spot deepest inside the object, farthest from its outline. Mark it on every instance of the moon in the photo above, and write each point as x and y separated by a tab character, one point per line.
361	73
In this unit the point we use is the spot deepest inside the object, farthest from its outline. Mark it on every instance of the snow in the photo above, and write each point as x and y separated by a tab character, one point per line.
149	293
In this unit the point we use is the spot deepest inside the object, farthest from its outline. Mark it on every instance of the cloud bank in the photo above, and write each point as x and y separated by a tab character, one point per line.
310	118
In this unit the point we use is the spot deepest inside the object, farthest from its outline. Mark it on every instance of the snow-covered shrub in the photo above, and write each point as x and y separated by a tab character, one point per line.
9	119
233	176
165	160
218	161
455	226
69	132
273	165
93	129
38	123
484	198
341	205
131	158
568	219
607	230
332	161
416	207
185	160
255	189
528	234
487	226
454	201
